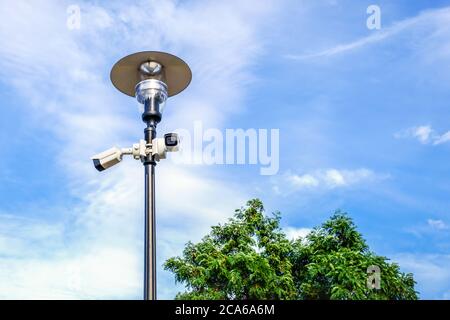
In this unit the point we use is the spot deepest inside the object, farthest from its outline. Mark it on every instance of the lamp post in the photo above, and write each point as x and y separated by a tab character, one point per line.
151	77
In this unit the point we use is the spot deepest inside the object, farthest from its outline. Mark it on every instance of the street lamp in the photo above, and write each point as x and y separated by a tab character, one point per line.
151	77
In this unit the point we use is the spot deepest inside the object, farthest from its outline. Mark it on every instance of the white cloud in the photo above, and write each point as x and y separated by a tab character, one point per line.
36	263
443	138
342	48
334	178
305	180
23	237
63	75
437	224
295	233
323	179
430	271
425	134
429	228
427	18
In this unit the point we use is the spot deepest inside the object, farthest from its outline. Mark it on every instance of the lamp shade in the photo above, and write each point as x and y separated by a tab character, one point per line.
126	73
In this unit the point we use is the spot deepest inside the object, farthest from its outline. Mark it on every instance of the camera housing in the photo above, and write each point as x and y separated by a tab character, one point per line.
170	143
107	159
158	148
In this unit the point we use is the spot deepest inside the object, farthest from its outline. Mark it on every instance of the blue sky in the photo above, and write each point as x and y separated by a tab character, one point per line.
363	118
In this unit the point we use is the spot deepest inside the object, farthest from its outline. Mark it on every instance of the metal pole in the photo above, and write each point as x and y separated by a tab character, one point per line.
150	235
150	217
151	77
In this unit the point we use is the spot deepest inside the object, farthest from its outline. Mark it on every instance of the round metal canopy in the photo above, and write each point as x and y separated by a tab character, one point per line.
126	74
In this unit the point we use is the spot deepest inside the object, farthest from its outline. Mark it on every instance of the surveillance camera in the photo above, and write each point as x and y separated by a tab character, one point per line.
107	158
171	141
160	146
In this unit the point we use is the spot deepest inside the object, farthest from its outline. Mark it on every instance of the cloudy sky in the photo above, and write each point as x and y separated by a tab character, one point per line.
363	116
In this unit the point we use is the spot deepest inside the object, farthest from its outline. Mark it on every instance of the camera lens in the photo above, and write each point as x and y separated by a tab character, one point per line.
171	139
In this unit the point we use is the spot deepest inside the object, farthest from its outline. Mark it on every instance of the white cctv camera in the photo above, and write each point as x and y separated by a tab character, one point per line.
170	143
141	150
107	158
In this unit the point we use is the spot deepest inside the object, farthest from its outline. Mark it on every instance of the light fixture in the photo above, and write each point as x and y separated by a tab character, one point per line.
151	77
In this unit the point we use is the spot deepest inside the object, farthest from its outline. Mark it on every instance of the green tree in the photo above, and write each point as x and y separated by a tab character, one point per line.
250	258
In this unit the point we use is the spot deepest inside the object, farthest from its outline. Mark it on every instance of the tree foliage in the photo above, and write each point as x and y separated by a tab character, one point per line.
250	258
